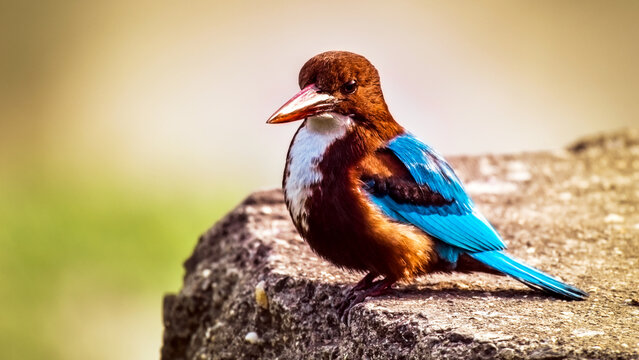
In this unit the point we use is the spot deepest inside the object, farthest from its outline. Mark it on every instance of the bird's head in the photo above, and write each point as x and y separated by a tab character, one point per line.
336	82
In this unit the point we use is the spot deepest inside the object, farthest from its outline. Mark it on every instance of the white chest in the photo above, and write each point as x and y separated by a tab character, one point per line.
305	154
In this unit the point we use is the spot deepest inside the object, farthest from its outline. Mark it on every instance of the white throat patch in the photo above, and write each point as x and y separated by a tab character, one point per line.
307	150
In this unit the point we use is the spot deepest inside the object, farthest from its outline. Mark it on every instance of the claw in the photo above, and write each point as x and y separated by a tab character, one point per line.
376	288
366	282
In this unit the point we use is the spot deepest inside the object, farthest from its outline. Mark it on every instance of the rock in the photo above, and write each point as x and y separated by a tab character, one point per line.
254	290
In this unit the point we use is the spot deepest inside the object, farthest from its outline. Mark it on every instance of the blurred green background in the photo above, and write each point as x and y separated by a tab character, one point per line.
128	128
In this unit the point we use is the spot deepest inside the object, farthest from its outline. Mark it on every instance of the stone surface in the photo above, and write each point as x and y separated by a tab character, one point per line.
254	290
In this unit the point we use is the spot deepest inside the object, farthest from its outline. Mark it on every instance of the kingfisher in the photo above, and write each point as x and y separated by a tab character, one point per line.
369	196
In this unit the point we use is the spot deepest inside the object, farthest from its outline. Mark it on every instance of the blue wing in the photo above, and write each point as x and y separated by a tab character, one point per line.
458	224
433	199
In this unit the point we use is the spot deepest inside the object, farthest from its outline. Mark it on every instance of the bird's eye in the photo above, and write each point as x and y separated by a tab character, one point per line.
349	87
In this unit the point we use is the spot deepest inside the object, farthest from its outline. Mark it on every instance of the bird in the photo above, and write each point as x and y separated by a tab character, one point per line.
369	196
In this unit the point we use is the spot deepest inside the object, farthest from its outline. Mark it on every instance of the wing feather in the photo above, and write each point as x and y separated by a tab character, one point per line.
455	221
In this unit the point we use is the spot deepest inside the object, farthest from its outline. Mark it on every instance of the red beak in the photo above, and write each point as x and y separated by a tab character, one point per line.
308	102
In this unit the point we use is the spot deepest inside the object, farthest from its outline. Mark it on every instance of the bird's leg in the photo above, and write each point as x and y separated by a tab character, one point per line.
365	283
378	288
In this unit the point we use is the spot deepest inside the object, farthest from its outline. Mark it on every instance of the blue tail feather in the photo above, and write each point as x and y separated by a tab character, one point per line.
528	275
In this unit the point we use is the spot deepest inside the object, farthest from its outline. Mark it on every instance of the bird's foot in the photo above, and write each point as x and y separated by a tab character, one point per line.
376	288
366	282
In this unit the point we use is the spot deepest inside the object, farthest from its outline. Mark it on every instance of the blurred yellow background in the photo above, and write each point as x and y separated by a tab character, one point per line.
128	128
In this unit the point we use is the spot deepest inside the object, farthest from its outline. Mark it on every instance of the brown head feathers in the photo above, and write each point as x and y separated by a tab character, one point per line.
352	80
